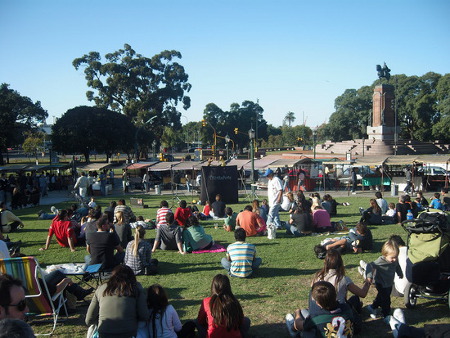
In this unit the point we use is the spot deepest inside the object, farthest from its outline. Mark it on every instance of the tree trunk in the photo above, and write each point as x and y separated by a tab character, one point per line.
86	156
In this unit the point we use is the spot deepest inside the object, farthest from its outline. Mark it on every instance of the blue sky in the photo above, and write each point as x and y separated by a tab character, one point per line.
291	55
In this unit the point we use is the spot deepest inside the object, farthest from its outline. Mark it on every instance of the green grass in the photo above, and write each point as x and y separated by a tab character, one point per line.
280	285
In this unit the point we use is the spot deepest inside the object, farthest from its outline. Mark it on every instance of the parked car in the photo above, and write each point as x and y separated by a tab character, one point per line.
434	177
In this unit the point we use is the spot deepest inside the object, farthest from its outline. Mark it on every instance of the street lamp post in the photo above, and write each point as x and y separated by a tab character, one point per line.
227	140
154	148
251	135
314	141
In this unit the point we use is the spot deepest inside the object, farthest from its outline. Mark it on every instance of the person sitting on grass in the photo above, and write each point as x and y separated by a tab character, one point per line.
300	223
230	220
194	236
436	202
321	220
162	212
372	215
333	319
206	213
248	221
168	236
259	209
218	208
358	239
122	229
138	254
241	259
9	221
64	231
102	243
221	314
182	213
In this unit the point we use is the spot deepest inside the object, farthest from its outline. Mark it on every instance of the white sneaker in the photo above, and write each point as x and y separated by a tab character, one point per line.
362	272
393	323
363	264
372	311
290	325
399	315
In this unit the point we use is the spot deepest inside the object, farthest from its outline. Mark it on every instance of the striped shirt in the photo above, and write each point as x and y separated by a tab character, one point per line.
161	216
241	256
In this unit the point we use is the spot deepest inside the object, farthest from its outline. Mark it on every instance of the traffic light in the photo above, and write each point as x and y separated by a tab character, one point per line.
299	139
236	130
204	123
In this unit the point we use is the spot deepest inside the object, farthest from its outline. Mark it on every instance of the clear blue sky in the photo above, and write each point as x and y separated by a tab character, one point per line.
291	55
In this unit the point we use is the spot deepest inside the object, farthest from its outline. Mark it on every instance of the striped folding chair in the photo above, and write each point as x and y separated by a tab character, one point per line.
27	270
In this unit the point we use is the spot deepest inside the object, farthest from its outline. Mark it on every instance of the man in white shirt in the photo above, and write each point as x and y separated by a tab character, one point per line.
382	203
9	221
82	184
274	195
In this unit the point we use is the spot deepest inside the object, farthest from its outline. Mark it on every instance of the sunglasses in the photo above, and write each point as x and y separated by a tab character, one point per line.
20	305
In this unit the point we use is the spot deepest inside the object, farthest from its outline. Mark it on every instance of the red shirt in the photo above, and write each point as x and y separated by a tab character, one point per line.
62	231
205	319
181	215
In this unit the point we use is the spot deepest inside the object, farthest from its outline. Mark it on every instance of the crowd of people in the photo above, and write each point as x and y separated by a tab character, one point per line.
115	238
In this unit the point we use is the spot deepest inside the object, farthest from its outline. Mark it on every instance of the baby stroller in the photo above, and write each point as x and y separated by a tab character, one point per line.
428	263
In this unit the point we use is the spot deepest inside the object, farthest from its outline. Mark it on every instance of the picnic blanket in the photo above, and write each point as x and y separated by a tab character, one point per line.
215	248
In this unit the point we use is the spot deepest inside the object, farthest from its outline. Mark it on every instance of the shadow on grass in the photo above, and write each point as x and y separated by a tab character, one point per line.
268	330
266	272
167	268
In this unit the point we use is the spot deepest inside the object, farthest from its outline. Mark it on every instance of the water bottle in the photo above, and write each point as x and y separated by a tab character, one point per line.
409	215
409	218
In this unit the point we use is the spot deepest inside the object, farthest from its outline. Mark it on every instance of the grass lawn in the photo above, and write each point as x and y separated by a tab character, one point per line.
280	285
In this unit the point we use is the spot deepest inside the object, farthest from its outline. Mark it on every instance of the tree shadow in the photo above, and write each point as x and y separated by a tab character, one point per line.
266	272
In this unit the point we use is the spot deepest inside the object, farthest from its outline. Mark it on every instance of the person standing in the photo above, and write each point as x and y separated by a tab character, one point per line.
275	194
125	182
82	184
102	179
408	178
354	180
146	181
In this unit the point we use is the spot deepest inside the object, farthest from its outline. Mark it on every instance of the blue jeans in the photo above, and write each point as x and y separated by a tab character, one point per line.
292	230
273	216
227	264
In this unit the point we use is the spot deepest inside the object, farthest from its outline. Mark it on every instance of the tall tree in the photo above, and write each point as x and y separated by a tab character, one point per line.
289	118
138	86
17	114
244	117
85	129
34	143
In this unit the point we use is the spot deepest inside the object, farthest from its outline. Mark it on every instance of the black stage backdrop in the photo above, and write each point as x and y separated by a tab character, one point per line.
219	180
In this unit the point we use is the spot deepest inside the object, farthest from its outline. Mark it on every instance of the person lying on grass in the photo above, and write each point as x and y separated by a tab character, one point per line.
358	239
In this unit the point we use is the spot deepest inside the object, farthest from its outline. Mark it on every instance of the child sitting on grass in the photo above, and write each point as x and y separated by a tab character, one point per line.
386	267
332	320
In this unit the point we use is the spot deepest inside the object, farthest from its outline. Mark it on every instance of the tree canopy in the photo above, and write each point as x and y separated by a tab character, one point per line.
85	129
243	117
138	86
17	114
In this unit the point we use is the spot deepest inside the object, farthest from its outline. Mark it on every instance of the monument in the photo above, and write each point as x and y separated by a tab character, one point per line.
383	124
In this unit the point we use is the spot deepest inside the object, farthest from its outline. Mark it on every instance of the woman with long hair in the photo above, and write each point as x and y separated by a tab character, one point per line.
138	254
163	320
333	271
118	305
221	314
123	229
372	215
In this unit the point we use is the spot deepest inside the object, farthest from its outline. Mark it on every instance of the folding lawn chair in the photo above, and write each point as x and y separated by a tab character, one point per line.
27	270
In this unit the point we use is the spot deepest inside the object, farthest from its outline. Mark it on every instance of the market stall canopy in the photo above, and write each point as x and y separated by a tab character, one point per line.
289	162
14	167
188	165
141	165
436	158
239	163
401	160
162	166
261	163
96	166
371	161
